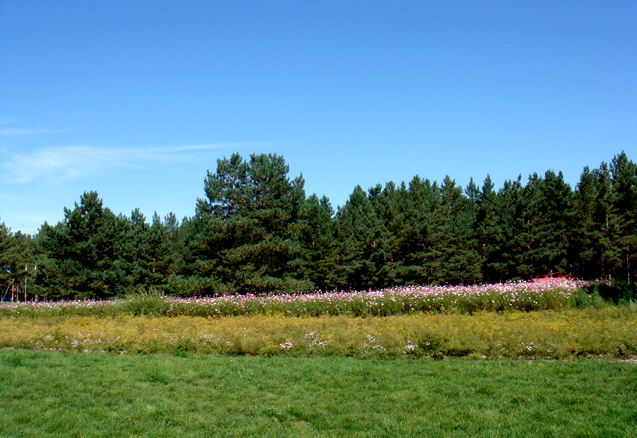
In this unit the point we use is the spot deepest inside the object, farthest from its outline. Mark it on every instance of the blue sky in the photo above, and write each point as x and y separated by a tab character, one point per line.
137	100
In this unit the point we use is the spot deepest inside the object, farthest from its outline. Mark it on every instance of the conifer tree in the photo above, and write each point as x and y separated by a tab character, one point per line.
245	227
11	259
22	262
452	256
509	208
315	232
84	253
135	249
608	219
147	251
624	189
158	252
488	231
361	235
597	231
176	243
395	208
547	225
423	196
255	231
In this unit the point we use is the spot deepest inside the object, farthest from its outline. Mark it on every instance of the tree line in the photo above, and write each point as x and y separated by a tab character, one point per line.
256	231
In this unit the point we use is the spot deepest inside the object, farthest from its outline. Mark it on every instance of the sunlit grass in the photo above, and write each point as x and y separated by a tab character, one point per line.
53	394
290	365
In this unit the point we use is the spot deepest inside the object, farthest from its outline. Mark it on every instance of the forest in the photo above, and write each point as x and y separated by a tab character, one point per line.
256	231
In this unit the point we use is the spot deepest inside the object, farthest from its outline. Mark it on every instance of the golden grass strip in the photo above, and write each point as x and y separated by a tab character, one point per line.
609	331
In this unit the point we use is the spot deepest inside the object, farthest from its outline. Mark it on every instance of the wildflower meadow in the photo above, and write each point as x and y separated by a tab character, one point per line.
410	361
512	296
512	320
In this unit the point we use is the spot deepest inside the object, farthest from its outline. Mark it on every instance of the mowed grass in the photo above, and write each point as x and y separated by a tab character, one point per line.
49	393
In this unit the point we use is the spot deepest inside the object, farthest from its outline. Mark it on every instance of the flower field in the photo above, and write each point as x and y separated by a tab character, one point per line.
518	296
513	320
610	332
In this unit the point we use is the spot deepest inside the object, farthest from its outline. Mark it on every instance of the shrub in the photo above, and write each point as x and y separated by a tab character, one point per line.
146	302
616	292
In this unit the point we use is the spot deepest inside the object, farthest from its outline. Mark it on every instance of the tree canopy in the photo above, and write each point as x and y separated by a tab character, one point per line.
256	231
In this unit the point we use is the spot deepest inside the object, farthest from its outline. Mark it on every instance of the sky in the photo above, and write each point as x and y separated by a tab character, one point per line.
138	100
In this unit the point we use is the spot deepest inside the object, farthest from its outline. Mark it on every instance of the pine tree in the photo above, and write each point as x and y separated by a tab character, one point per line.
586	234
147	251
532	219
624	188
452	256
176	243
6	248
597	230
488	230
395	208
199	258
608	218
21	257
14	259
361	235
315	232
422	197
84	253
510	246
245	228
135	249
547	225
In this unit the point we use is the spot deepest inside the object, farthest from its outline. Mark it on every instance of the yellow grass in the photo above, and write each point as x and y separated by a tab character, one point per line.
556	334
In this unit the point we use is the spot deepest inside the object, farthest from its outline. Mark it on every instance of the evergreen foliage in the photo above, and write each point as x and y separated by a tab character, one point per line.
546	225
255	231
244	236
488	230
86	253
362	240
315	231
16	263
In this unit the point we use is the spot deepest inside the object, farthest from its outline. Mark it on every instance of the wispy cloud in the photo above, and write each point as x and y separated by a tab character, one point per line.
8	128
62	163
12	132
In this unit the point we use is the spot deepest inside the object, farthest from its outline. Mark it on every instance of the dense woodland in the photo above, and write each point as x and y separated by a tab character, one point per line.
256	231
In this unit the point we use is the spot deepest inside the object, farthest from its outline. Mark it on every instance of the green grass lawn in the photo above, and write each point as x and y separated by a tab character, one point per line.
96	394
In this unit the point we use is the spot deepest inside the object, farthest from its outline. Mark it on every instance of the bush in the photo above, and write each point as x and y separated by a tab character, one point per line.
618	291
587	297
146	302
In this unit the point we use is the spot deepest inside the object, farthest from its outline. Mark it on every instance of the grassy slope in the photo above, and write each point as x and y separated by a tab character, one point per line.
92	394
